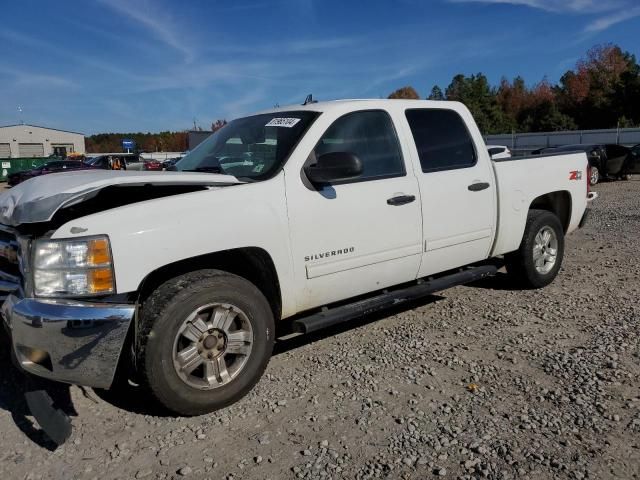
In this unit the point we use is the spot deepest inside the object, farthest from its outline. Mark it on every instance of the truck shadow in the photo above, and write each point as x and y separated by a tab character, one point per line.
501	281
133	398
285	345
13	386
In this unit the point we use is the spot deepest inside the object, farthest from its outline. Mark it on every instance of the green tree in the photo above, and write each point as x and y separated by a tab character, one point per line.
436	93
476	93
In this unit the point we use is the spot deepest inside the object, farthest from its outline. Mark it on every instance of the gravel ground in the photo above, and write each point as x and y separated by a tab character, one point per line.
481	381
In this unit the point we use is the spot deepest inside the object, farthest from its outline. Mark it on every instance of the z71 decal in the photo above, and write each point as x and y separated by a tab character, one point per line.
575	175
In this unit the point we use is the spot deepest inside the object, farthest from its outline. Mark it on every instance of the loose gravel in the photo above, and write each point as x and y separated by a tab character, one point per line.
482	381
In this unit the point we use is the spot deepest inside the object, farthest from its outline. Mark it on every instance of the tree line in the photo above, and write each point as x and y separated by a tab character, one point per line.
145	142
602	91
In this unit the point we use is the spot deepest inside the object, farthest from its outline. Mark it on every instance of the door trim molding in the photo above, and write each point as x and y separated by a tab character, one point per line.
437	244
327	268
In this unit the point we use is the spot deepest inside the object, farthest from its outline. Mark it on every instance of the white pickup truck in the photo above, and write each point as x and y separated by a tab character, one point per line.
285	221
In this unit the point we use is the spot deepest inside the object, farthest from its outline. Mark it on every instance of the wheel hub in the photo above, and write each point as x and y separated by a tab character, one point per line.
212	343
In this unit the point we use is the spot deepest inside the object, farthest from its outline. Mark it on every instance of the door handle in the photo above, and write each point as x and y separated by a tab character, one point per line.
401	200
476	187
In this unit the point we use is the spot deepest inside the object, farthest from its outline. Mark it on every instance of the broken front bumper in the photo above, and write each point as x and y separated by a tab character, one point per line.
65	340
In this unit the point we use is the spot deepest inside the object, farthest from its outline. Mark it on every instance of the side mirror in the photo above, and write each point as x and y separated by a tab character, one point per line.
495	150
334	167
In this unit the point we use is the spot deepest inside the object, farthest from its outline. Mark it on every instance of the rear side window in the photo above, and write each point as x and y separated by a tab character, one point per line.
442	139
369	135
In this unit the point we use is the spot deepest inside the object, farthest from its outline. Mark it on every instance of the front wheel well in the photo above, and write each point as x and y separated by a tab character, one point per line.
251	263
558	203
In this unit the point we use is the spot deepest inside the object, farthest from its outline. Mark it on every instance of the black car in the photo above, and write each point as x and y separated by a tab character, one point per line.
170	163
50	167
607	161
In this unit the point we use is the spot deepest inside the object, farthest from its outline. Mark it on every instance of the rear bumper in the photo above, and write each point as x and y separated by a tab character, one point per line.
67	341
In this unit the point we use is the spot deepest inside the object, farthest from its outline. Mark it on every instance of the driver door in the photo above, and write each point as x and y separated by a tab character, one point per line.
359	235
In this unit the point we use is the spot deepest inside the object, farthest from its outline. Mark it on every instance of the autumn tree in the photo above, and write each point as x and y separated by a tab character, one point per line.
407	92
602	88
218	124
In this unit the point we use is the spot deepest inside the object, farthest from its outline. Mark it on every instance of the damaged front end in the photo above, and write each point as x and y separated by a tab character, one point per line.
75	340
71	340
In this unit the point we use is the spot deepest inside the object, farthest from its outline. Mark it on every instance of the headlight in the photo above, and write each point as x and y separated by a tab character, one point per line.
76	267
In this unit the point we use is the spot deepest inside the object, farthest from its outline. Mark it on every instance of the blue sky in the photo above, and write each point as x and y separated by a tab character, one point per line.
127	65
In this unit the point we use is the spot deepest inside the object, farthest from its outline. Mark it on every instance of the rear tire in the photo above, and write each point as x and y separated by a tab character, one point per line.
594	176
205	340
537	262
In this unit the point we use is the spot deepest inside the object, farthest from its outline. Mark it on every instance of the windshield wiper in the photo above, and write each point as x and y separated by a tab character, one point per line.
205	169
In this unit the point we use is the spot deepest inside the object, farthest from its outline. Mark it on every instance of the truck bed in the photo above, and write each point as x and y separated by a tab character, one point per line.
522	180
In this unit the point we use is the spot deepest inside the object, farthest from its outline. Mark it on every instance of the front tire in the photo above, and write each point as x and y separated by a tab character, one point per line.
594	176
206	338
537	262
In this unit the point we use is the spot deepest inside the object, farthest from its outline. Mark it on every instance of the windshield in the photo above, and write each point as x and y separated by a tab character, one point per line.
250	148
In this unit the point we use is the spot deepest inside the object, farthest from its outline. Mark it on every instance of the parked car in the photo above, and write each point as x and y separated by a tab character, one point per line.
170	163
154	165
122	161
300	217
498	151
607	161
50	167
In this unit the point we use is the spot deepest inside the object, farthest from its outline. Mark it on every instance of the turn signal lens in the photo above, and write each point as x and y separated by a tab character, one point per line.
100	280
98	252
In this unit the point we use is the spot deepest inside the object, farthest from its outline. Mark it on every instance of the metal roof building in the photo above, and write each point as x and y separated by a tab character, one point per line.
33	141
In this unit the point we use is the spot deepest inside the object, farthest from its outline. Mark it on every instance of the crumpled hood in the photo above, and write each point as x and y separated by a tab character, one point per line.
38	199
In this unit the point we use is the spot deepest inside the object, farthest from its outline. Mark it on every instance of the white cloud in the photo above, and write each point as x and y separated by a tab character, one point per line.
560	6
611	11
160	24
607	21
23	78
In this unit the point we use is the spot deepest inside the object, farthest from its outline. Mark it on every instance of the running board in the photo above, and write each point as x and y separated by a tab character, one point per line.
333	316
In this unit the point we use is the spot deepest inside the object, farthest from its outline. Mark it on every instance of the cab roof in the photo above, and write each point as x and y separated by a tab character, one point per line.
364	103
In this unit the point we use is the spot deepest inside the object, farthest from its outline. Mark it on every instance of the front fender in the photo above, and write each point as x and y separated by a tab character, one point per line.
148	235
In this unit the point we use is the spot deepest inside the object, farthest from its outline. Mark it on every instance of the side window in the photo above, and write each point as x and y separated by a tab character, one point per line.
442	139
370	136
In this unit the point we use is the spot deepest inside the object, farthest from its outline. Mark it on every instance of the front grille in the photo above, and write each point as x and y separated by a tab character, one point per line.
10	273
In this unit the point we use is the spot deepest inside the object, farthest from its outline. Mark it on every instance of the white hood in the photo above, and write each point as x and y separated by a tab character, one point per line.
38	199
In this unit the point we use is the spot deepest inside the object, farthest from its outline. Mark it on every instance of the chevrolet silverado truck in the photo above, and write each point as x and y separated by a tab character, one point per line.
285	221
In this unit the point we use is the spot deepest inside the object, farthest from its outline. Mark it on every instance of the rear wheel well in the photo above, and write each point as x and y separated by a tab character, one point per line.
251	263
558	203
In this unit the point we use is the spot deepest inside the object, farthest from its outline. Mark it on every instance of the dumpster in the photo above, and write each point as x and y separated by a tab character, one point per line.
10	165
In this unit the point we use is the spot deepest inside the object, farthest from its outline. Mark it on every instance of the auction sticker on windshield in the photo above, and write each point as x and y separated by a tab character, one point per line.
282	122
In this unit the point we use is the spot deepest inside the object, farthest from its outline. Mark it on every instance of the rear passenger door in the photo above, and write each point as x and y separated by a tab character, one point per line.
457	190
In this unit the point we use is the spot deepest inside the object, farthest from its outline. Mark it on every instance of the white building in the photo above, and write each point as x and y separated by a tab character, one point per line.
32	141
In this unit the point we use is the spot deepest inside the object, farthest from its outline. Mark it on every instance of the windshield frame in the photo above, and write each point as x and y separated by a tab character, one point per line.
279	164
